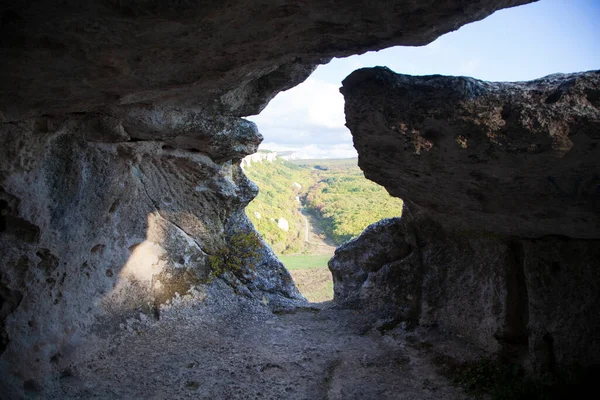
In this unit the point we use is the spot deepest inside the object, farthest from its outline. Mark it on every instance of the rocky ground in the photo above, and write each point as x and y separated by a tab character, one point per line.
236	349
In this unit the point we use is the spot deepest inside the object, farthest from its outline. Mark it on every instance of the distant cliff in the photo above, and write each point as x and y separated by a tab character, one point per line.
258	157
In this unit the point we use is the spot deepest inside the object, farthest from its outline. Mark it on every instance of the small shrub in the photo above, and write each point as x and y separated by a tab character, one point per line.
240	249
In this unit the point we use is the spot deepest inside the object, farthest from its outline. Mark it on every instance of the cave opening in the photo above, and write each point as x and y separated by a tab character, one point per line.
313	197
129	267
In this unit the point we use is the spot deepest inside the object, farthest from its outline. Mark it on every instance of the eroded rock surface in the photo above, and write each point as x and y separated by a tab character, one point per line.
96	232
533	301
119	154
512	158
500	243
226	56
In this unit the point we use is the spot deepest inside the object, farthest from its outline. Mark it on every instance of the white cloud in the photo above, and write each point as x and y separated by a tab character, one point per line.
308	118
327	107
314	102
342	150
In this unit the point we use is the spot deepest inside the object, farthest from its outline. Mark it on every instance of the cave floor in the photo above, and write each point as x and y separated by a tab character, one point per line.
308	353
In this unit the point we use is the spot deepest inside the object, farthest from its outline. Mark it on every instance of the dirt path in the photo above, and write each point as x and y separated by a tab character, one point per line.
316	284
316	242
305	227
250	353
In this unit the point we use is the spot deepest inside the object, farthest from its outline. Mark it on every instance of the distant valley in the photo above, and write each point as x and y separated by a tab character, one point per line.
306	208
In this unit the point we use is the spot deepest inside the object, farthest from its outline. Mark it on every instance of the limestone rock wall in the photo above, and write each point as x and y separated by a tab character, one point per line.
120	140
512	158
94	233
229	57
413	271
501	180
563	282
531	301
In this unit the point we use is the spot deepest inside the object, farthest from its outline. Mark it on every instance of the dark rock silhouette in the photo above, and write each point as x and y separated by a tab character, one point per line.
517	158
120	143
493	247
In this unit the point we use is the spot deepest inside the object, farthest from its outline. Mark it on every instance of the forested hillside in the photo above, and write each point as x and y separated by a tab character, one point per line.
334	191
347	201
277	199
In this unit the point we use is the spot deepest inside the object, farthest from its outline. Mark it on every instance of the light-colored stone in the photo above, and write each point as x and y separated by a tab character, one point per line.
93	233
283	224
258	158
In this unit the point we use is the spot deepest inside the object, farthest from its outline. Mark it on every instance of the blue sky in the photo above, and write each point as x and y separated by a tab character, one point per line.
516	44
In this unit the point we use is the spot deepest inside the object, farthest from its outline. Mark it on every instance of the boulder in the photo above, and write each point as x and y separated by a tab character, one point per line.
532	301
283	224
518	158
500	242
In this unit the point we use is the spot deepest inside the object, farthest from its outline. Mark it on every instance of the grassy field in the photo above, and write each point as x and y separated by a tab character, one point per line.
305	262
311	275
